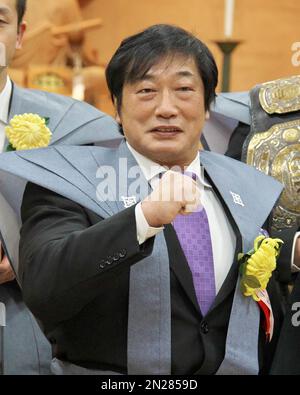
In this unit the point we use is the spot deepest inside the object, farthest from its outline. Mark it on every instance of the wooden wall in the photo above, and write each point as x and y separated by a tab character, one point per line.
267	29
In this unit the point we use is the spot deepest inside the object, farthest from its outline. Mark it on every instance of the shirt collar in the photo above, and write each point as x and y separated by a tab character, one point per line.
152	169
4	101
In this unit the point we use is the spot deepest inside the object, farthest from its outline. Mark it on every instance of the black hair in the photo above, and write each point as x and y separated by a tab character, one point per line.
138	53
21	8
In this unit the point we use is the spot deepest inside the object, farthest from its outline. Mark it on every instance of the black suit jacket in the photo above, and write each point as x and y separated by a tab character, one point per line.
75	278
287	356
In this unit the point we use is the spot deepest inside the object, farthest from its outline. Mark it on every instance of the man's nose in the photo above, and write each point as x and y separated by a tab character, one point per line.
166	105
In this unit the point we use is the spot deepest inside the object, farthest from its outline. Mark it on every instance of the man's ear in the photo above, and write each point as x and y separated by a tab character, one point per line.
118	119
117	116
207	115
21	30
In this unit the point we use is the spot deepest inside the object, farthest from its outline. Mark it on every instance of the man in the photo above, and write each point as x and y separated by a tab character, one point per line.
116	284
25	350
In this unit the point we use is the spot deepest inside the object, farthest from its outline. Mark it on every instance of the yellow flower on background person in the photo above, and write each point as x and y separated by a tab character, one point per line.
28	131
258	265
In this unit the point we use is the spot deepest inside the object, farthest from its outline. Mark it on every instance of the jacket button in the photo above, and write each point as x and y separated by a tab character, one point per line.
122	253
204	327
109	260
102	264
115	257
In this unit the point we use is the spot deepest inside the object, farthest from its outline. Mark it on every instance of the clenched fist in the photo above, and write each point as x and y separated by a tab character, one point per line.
175	194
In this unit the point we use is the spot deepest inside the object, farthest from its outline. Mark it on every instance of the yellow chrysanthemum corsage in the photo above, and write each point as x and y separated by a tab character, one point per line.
258	264
27	131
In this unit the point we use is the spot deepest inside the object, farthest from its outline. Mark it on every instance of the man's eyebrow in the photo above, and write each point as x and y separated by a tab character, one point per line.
185	73
181	73
148	77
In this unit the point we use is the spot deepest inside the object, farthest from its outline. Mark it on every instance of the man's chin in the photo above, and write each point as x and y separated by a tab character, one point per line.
169	158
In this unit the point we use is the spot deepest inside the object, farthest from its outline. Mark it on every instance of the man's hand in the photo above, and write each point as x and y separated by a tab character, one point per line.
297	253
175	194
6	272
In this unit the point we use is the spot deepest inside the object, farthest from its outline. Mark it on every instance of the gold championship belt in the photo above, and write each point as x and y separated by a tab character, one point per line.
273	145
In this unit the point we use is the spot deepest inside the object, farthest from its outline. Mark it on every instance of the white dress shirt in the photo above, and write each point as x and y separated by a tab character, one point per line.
222	235
4	107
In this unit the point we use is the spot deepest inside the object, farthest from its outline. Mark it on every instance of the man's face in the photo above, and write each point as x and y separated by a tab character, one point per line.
163	114
10	34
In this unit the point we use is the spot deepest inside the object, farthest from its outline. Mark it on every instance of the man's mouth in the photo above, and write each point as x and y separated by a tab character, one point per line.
166	130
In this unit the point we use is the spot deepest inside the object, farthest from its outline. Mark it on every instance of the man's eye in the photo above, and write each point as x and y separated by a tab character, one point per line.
146	90
185	89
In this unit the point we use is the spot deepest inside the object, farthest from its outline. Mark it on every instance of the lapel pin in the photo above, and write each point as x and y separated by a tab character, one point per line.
128	201
237	199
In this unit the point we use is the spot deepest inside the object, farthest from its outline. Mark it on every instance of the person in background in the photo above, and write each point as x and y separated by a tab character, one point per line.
26	351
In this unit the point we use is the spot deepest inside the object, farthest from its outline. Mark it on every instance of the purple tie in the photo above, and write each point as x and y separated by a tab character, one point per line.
194	236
